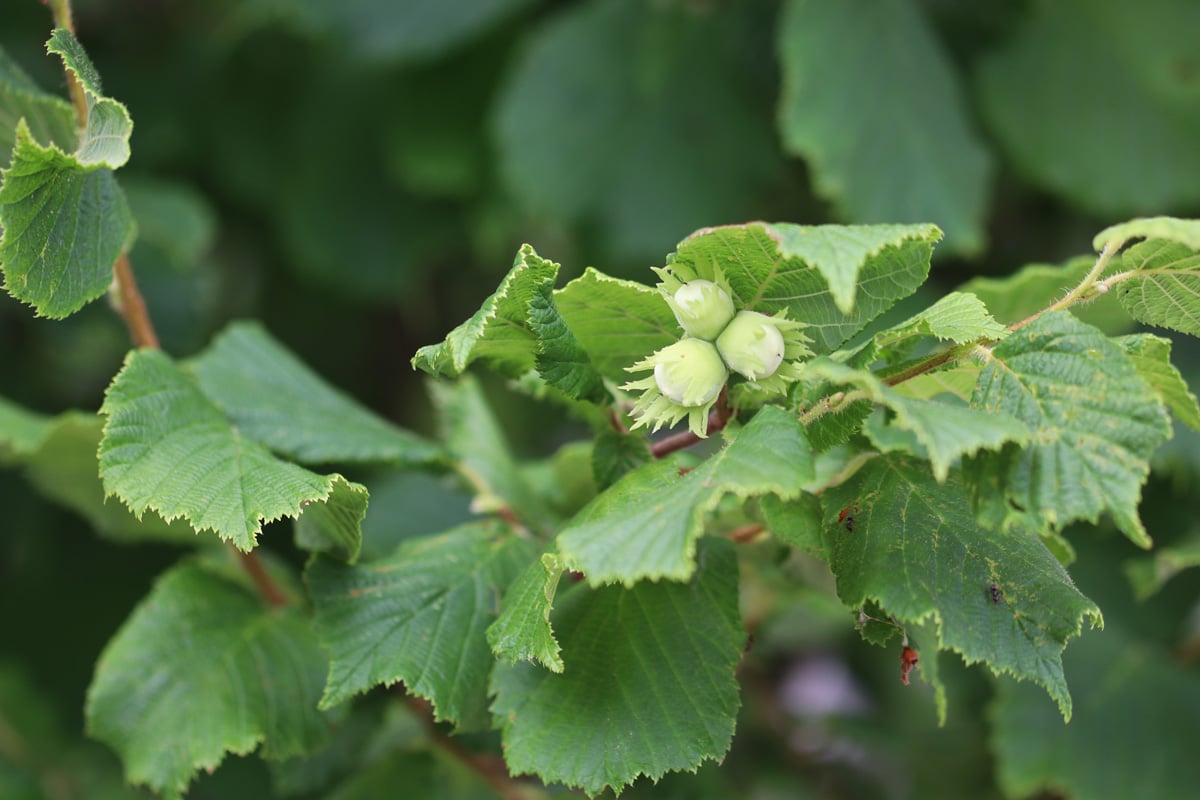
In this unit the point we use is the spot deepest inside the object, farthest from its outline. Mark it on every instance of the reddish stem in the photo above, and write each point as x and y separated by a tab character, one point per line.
132	307
746	533
490	768
267	588
717	419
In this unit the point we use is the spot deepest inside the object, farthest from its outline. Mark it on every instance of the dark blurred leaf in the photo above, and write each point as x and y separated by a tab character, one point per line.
1133	735
1049	93
172	217
625	114
903	150
382	30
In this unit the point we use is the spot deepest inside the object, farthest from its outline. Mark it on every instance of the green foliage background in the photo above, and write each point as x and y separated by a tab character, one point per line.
358	175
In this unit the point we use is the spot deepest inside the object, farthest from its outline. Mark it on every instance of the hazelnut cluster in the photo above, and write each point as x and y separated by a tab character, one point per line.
718	339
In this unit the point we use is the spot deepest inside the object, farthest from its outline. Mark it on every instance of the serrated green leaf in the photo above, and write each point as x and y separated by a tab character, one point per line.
499	331
916	549
1151	357
833	278
646	158
206	651
560	359
49	118
616	454
273	398
167	448
1172	229
64	469
481	455
958	317
1164	288
63	227
947	432
1032	288
523	631
105	138
1126	692
20	430
649	682
646	525
419	616
1094	425
617	322
334	525
904	150
1102	54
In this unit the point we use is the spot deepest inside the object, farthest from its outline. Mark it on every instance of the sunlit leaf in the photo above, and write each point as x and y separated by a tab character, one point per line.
1094	425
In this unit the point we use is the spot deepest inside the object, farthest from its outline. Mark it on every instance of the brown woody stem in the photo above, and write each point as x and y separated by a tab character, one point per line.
267	588
717	419
131	306
490	768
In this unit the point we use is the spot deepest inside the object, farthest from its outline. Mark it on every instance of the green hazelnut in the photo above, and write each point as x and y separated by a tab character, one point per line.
689	372
702	308
752	345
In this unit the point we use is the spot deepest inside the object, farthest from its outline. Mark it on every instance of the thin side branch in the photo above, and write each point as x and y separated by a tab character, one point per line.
131	306
267	588
718	418
1082	291
746	533
491	769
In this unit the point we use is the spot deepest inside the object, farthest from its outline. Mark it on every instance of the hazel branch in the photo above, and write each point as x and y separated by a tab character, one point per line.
718	418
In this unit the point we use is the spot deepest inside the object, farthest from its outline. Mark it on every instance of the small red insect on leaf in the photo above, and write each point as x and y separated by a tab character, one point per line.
995	592
846	517
908	660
